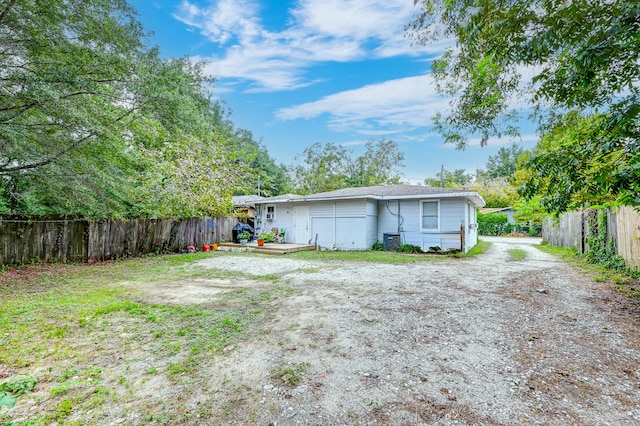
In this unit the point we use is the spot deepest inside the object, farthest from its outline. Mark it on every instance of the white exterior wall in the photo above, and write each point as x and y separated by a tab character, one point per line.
283	219
452	214
339	224
357	224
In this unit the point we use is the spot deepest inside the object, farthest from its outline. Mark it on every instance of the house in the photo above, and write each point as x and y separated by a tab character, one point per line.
506	210
356	218
245	204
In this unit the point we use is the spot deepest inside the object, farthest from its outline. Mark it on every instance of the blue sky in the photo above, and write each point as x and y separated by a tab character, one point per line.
299	72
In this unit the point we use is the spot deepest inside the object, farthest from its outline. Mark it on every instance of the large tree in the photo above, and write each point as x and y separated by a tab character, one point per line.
577	54
329	167
93	123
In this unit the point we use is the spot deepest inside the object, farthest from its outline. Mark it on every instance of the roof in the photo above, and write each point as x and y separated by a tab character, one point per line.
495	210
245	200
383	192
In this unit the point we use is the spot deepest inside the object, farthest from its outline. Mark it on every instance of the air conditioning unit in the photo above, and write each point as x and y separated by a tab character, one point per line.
269	216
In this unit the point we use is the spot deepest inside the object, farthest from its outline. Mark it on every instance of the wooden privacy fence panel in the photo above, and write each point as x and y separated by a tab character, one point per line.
567	232
573	229
628	233
79	240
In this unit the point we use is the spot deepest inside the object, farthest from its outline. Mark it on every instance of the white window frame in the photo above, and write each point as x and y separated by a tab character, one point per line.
266	212
422	203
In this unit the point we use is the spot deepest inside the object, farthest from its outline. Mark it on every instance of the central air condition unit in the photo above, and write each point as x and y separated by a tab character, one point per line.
390	241
269	216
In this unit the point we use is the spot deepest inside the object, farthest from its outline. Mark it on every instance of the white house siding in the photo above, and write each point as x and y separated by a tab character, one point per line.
452	215
371	224
284	219
471	226
339	224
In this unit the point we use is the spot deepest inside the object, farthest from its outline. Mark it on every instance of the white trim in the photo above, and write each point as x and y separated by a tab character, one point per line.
429	230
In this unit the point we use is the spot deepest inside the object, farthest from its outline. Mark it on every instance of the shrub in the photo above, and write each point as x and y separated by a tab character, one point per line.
268	237
377	246
493	224
409	248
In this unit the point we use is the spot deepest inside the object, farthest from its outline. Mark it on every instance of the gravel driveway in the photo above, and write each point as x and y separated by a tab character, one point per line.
484	340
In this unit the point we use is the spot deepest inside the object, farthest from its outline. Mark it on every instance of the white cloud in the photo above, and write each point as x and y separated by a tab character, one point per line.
318	31
389	107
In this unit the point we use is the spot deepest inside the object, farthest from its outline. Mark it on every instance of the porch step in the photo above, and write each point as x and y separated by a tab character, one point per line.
269	251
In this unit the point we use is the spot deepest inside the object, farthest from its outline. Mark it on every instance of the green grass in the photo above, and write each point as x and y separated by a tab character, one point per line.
517	254
60	328
622	282
479	248
365	256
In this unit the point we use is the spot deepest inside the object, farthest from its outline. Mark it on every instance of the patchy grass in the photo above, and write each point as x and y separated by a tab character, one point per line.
90	343
479	248
624	283
517	254
366	256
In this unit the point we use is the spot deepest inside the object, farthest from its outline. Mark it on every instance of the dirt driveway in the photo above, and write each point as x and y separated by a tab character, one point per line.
485	340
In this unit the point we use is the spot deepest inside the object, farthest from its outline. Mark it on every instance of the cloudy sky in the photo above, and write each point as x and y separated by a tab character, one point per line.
305	71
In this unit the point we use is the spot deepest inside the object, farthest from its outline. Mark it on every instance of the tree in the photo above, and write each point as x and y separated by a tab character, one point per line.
272	179
568	169
93	123
582	54
448	179
379	165
324	169
503	164
329	167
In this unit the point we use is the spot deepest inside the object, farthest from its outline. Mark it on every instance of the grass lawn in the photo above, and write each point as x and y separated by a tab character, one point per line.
89	344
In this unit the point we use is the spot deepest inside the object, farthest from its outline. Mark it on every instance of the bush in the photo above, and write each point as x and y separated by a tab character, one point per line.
268	237
377	246
409	248
493	224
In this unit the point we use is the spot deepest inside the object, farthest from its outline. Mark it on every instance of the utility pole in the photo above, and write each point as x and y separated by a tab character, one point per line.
258	185
442	176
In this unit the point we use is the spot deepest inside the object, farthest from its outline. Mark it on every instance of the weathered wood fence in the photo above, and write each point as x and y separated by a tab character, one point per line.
77	240
573	229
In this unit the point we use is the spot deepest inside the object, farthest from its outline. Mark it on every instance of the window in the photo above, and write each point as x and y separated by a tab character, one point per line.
430	215
271	212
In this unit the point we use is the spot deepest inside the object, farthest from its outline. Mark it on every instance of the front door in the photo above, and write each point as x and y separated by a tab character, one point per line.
301	225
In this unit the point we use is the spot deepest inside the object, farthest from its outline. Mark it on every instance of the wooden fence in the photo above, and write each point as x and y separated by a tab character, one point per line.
77	240
573	229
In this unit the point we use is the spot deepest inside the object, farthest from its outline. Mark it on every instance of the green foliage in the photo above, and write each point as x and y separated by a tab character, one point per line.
493	224
12	389
95	124
244	235
503	164
571	167
330	167
447	179
409	248
583	55
377	246
601	251
268	237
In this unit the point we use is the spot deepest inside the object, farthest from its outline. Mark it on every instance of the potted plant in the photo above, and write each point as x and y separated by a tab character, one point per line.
244	237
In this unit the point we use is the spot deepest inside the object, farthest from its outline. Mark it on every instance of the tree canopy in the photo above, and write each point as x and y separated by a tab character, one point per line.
329	167
94	123
559	56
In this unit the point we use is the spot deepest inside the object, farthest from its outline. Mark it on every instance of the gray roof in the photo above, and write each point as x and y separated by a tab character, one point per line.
245	200
383	192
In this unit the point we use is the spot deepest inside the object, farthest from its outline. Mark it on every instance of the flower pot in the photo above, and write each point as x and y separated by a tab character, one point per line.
243	242
260	243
